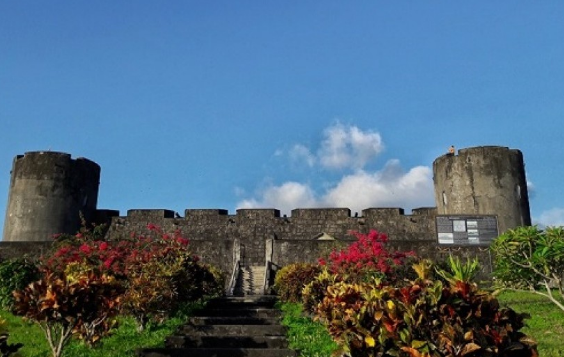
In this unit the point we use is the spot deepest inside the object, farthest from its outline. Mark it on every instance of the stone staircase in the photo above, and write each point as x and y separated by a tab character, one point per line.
229	327
250	281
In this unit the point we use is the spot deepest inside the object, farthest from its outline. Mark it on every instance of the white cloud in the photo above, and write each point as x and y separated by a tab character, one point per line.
302	153
552	217
285	197
348	147
390	187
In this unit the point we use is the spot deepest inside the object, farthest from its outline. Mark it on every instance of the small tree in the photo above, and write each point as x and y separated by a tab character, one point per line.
62	306
528	258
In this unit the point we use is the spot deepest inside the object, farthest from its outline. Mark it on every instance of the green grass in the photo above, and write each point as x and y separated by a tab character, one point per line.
546	324
309	337
123	341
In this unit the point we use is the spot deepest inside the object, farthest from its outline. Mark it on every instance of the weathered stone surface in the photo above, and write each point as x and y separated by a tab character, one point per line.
48	193
483	180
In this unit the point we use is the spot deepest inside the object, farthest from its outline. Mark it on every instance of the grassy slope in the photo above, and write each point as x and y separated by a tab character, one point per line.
546	324
310	338
123	341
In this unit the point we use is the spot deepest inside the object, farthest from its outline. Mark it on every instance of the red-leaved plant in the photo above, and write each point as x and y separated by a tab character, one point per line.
367	257
148	276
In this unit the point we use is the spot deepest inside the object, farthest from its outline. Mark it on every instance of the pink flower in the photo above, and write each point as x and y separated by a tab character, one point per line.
182	241
103	246
85	249
152	227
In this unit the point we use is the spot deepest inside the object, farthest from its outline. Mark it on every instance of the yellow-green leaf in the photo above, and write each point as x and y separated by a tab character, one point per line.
418	344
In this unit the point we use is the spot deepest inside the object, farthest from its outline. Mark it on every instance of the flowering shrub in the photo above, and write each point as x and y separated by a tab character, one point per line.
366	258
88	250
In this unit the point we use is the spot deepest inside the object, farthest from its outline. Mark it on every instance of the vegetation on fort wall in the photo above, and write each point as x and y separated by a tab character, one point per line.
85	283
372	305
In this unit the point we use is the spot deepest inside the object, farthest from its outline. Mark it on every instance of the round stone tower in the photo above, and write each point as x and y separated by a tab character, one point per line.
48	192
486	180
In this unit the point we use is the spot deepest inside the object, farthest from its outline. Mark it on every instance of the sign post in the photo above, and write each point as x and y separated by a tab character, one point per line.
466	229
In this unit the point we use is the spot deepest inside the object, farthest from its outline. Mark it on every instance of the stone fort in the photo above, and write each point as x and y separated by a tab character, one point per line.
479	193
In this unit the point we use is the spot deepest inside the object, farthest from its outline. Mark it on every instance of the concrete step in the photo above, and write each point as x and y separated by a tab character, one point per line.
246	326
241	312
216	352
233	330
232	320
241	302
180	341
250	280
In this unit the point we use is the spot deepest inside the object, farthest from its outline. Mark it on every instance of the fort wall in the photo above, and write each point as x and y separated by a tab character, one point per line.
48	188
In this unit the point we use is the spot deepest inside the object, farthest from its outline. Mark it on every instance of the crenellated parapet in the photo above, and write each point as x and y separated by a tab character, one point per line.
302	224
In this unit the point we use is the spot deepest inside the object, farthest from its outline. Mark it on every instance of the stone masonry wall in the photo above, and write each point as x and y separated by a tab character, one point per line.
253	226
213	233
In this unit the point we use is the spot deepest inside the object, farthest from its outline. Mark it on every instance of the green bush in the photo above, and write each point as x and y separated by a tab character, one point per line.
291	280
213	281
314	292
15	274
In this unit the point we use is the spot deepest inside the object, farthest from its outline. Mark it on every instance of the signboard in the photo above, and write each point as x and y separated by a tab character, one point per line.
466	230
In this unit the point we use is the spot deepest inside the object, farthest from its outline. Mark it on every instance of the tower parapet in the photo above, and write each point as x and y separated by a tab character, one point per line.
48	192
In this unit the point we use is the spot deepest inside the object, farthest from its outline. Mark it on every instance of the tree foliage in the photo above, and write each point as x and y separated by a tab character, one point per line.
63	306
15	274
529	258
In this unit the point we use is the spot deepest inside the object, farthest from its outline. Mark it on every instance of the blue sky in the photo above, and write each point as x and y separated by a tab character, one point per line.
224	104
